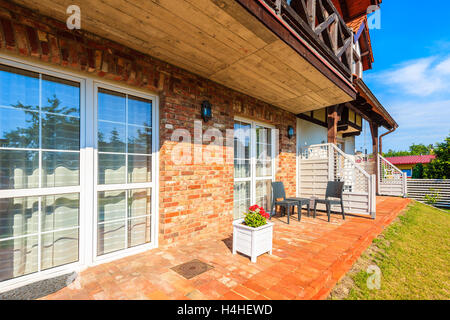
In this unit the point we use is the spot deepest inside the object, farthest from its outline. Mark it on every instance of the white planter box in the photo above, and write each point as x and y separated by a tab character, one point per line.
252	242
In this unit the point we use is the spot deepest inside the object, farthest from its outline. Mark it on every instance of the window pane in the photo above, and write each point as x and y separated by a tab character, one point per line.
263	194
264	168
139	169
241	168
60	212
60	132
139	202
18	257
18	216
111	137
60	96
111	106
19	169
111	168
139	140
19	128
139	111
112	205
241	198
139	231
111	237
60	169
20	88
59	248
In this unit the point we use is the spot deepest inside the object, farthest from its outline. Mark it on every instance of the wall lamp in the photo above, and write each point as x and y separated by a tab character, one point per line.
290	132
206	111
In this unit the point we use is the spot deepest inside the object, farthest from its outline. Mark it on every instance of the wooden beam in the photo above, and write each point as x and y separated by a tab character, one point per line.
332	120
344	47
311	9
313	120
321	27
375	149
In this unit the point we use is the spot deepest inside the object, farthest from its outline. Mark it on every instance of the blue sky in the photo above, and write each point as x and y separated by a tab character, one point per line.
411	73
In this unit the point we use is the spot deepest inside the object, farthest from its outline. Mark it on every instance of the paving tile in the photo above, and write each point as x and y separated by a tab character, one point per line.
309	257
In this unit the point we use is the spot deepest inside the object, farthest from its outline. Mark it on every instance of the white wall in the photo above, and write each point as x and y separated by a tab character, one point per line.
349	145
310	133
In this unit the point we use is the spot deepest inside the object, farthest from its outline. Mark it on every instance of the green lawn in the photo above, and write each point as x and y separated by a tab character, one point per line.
413	255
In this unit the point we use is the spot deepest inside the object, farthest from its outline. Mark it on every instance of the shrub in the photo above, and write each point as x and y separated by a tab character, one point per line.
256	217
432	197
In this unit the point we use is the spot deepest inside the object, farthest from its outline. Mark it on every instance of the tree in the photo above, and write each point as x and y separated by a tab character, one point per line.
439	168
417	172
414	150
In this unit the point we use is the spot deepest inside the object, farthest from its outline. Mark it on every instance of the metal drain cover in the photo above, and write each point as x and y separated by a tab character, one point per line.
192	268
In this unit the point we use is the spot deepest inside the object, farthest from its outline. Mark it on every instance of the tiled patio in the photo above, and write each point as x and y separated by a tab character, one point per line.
309	257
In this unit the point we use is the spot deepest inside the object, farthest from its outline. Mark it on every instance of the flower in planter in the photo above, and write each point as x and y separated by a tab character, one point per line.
256	217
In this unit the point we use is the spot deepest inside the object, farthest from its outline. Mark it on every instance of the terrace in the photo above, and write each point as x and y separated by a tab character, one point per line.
309	257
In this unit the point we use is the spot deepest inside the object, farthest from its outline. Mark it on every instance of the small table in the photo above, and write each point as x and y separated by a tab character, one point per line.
301	202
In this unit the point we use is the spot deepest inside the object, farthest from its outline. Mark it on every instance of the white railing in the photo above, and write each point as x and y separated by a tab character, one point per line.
326	162
392	181
439	189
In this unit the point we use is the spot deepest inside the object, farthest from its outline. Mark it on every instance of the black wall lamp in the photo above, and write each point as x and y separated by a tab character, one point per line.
290	132
206	111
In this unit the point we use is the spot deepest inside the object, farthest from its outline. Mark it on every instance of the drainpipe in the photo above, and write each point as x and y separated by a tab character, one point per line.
381	139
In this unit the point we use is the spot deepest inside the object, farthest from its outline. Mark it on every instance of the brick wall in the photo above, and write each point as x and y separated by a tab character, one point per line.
196	198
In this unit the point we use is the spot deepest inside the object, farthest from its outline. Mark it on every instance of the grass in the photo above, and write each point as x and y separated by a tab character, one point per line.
413	255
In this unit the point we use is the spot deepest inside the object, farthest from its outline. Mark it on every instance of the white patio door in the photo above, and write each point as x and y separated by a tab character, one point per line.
77	172
125	171
253	165
41	143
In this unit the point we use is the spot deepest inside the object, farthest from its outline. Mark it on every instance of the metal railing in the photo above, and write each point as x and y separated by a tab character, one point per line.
392	181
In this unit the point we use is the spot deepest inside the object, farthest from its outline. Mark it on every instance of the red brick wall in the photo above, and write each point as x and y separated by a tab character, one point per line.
195	198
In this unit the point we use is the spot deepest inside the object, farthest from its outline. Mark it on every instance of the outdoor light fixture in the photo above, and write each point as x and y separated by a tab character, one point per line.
290	132
206	111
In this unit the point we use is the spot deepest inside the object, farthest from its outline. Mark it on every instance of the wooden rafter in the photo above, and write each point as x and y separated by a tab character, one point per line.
326	27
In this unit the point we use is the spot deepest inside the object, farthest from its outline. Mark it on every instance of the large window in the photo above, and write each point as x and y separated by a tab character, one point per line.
77	172
253	165
125	184
39	171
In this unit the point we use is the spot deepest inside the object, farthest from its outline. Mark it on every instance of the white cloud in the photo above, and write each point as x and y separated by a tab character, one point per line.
419	121
421	77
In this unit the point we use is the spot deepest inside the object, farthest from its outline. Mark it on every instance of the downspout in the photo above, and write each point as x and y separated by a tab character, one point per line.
381	139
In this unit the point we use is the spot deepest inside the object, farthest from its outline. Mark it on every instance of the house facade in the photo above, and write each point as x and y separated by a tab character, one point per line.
159	123
407	163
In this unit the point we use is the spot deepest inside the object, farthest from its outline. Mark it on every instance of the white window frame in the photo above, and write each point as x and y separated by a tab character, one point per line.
87	188
253	157
127	186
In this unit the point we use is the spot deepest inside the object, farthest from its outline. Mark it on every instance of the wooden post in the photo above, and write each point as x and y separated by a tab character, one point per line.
375	148
332	119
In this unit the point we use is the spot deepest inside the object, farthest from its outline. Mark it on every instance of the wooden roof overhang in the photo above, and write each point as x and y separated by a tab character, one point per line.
362	36
240	44
353	9
370	108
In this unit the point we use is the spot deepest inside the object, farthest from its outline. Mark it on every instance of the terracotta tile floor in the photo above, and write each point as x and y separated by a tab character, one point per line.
309	257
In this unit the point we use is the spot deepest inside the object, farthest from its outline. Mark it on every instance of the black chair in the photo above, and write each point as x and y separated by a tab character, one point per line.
334	191
278	192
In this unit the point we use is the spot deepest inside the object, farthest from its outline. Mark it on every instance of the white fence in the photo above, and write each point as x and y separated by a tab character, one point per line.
392	180
326	162
419	188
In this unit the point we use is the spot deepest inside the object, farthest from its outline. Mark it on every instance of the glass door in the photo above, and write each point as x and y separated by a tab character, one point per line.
253	166
125	170
41	137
